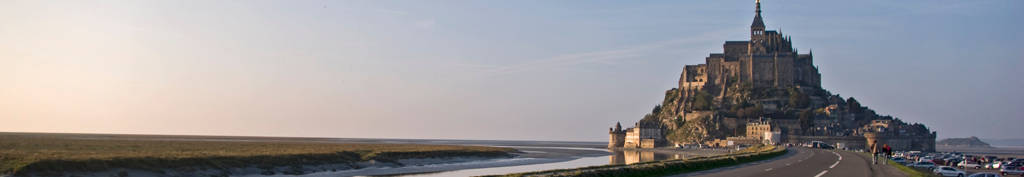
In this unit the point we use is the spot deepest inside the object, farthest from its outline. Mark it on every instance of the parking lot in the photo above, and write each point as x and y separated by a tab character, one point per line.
970	171
956	157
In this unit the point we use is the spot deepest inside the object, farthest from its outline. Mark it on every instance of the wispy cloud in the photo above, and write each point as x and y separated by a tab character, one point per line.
605	56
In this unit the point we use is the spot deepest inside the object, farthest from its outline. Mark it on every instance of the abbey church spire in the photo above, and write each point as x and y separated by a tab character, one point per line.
757	33
758	23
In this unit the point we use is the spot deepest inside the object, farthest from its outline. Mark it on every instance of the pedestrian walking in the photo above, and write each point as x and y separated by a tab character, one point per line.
874	152
886	150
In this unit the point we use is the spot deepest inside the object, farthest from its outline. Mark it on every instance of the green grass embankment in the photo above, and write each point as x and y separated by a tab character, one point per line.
912	172
55	154
667	167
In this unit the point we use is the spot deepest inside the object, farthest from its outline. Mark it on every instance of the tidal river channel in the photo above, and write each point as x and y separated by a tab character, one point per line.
533	156
610	157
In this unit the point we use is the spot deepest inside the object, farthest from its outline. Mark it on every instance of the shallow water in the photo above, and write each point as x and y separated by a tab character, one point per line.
617	157
546	156
581	162
630	157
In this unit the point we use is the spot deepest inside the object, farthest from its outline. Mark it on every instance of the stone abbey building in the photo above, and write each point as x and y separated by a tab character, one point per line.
762	90
768	59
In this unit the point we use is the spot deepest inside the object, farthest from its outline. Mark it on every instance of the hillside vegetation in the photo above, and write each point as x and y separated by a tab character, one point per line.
698	115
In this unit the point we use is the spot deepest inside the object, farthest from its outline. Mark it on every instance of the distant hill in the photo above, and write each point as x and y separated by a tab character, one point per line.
1005	142
971	142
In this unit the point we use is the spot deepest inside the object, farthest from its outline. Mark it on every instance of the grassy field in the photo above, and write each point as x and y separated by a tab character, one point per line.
24	153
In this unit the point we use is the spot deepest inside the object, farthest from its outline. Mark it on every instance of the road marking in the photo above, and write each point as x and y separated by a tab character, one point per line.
822	173
837	161
769	169
787	164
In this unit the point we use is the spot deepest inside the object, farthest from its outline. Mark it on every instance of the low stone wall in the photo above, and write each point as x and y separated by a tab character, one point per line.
849	142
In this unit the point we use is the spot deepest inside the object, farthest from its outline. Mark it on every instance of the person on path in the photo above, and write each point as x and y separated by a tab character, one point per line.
885	152
874	152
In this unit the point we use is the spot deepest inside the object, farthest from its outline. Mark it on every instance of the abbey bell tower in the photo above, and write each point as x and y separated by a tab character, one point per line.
757	36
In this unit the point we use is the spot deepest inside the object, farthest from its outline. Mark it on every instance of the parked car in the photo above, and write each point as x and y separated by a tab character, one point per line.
1016	160
1011	170
994	165
984	174
925	159
969	164
928	165
952	161
948	171
821	145
899	160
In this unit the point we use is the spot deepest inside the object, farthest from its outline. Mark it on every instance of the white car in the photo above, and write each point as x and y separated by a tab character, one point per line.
994	165
984	174
925	159
969	164
928	165
948	171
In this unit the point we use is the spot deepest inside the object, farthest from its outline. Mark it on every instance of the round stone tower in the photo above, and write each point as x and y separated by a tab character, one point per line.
617	137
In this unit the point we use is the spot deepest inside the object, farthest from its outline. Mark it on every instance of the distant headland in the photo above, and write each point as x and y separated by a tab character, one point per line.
969	142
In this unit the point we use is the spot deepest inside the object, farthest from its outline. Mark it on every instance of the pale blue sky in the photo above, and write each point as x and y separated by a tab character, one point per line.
536	70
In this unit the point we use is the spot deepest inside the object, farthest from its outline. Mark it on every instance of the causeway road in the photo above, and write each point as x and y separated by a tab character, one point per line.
806	162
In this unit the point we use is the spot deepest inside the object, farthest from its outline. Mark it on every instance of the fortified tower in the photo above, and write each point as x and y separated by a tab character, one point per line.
617	137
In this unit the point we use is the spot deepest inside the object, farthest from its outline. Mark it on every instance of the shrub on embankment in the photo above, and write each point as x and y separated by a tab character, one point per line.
663	168
51	155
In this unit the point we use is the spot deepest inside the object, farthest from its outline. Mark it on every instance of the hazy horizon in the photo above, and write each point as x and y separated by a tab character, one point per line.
519	70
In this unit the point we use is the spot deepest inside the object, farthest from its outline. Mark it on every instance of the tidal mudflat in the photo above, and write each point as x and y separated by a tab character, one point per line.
42	154
39	154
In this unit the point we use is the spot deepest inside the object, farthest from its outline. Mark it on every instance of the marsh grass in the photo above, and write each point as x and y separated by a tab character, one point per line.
45	153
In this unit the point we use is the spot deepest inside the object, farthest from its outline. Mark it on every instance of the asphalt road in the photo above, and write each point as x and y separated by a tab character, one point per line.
806	162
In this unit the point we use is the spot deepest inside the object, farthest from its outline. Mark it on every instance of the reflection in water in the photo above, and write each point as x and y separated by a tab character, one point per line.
617	157
581	162
635	156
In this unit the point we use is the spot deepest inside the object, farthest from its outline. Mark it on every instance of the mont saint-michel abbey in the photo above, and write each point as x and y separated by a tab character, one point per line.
768	59
763	91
